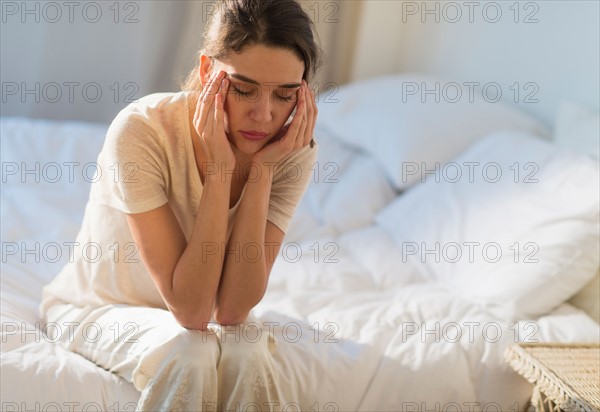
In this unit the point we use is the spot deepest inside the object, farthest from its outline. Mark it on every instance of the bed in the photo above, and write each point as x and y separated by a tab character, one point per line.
432	236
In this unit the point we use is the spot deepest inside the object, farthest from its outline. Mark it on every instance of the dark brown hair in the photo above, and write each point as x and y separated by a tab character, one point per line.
236	24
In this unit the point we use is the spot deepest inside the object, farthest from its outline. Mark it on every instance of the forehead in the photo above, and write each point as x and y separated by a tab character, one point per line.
264	64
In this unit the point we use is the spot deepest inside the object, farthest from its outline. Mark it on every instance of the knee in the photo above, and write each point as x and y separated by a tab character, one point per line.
187	351
195	348
245	343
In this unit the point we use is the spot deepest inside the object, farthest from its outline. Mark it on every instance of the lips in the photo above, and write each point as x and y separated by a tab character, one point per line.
253	134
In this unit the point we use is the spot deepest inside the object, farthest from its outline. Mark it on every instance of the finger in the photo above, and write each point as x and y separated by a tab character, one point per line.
199	124
205	86
202	94
315	113
219	107
305	117
306	136
208	102
297	120
208	90
213	91
300	142
207	108
302	131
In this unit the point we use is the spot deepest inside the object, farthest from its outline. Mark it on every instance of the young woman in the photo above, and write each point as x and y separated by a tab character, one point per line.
195	191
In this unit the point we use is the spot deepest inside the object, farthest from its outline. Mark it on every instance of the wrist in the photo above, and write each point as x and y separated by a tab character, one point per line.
218	179
259	185
263	170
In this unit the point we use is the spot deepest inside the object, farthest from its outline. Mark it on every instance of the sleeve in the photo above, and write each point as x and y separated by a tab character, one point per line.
131	170
290	182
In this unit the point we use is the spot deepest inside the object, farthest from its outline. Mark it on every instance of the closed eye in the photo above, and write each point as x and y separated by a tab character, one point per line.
253	91
289	98
241	93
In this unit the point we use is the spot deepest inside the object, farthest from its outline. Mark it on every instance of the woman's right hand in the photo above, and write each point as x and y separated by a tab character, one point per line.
209	124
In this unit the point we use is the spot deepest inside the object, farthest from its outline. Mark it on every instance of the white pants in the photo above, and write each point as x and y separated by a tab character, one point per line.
223	369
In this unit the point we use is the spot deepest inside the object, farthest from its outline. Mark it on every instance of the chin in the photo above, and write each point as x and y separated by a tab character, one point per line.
246	146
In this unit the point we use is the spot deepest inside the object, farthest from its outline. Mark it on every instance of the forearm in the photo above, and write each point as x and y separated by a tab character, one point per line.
244	278
197	273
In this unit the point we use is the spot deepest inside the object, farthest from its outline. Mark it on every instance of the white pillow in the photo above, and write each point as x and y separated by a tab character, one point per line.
407	130
578	128
550	208
348	188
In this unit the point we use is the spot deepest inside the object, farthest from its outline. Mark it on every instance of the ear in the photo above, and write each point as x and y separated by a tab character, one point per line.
205	69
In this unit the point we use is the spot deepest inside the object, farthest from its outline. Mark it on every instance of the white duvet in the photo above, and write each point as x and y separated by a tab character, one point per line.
357	330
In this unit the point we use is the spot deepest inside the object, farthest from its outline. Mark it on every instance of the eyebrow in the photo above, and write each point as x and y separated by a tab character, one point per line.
249	80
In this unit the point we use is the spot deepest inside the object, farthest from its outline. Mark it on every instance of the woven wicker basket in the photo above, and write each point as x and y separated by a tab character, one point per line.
567	374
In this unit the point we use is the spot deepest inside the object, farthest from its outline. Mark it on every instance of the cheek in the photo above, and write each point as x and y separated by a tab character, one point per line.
286	113
236	111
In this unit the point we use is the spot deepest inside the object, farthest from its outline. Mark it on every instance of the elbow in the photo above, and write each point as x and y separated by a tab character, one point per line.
192	318
231	310
191	310
201	326
194	324
227	317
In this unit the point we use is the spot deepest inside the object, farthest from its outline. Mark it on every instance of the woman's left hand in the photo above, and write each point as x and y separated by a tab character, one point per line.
298	134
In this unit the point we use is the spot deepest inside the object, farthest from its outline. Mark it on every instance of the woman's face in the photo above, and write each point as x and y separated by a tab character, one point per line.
262	92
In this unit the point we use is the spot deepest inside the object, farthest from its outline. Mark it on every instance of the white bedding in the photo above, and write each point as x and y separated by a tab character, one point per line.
357	331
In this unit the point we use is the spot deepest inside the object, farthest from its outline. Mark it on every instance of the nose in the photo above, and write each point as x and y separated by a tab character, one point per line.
261	109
